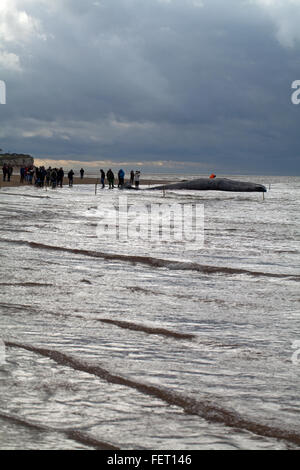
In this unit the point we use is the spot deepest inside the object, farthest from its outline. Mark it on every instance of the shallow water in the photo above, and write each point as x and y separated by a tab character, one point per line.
144	343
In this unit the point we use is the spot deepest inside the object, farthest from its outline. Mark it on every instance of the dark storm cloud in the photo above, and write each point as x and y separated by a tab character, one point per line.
180	80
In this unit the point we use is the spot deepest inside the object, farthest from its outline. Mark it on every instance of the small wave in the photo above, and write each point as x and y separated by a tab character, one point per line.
72	434
205	409
143	290
155	262
26	195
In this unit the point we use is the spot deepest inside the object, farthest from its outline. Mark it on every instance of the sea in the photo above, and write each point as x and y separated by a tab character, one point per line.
125	326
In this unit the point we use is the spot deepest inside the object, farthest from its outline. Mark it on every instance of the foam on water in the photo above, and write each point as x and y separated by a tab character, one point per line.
136	332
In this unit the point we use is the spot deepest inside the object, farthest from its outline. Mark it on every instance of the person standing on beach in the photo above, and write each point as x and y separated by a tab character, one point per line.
9	172
121	176
60	177
4	170
102	178
37	177
31	174
110	178
137	179
43	176
131	177
81	173
70	176
22	174
27	170
48	176
53	178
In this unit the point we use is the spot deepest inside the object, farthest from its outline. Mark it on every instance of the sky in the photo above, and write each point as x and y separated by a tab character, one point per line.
166	85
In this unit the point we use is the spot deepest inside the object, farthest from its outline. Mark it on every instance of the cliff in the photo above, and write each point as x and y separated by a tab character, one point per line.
16	159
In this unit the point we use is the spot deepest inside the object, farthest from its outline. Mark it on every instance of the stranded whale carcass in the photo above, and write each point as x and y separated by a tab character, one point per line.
216	184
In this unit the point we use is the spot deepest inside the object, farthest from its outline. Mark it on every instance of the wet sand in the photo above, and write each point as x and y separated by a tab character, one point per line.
15	181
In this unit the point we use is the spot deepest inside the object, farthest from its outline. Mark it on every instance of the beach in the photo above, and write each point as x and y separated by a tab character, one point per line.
15	181
149	342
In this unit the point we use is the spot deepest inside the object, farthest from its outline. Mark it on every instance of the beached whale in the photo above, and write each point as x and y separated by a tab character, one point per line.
215	184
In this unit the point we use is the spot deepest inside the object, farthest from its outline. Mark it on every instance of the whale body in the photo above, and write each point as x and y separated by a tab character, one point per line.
215	184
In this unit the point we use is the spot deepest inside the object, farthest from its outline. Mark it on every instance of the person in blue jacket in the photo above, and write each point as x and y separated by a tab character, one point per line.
121	176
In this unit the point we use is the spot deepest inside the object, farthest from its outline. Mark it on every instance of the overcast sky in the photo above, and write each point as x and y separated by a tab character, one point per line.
183	85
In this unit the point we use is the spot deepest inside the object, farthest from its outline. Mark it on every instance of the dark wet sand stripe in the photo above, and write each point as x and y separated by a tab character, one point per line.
20	307
154	262
119	323
206	410
86	439
147	329
25	284
72	434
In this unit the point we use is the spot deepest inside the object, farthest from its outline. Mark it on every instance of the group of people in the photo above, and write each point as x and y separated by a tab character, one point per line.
134	178
7	171
54	177
40	176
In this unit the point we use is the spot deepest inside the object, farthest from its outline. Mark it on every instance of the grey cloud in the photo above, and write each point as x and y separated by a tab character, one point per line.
153	80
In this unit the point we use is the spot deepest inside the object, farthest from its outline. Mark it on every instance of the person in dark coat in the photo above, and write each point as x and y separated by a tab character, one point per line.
43	175
102	178
53	178
22	175
60	177
81	173
9	172
131	177
110	178
70	176
4	170
48	176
